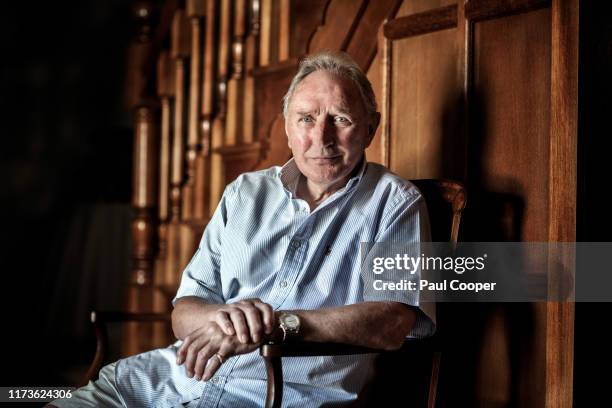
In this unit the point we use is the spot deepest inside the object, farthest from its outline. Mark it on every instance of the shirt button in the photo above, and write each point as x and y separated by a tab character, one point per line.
296	244
283	284
214	380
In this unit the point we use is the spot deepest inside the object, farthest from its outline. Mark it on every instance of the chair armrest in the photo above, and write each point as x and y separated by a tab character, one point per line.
304	349
103	317
99	319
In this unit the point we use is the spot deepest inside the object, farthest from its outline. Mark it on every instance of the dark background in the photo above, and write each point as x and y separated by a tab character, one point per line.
65	168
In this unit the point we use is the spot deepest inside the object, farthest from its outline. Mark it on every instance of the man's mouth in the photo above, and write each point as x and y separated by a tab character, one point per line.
326	159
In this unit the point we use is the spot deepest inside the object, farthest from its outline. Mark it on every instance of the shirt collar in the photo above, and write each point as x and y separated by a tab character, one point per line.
290	175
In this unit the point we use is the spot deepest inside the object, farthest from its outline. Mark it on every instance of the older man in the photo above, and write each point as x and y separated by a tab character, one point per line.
280	259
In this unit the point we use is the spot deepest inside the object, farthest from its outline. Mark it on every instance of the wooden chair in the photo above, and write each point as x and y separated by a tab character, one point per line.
446	200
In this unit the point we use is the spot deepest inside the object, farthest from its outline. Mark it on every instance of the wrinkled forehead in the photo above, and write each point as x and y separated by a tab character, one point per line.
324	86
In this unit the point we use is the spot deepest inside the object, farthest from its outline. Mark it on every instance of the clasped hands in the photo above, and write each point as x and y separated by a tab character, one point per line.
231	329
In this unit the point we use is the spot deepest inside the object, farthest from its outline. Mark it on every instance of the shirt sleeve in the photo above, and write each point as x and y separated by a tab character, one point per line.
403	229
202	277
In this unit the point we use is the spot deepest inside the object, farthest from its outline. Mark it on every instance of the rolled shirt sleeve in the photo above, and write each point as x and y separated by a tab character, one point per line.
201	277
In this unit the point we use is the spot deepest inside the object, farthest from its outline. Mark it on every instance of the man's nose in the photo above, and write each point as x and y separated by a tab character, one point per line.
325	132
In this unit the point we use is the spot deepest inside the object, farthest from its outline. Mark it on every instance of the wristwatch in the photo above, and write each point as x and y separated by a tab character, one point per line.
289	323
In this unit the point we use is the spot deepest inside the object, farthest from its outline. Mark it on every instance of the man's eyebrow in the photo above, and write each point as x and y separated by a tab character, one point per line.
342	109
304	112
344	106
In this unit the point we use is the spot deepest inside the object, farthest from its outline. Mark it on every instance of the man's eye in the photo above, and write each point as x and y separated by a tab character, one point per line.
342	120
306	119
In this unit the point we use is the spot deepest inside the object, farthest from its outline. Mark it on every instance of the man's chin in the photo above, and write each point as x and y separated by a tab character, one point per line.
324	179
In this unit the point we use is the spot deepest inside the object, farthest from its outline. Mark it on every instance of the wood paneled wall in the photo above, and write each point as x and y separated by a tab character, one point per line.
483	91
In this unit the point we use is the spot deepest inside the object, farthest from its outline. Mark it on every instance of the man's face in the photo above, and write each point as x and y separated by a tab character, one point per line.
327	127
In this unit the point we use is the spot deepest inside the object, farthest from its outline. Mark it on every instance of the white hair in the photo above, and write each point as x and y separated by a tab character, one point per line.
338	63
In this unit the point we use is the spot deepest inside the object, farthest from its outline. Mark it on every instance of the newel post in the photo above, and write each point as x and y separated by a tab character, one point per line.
142	102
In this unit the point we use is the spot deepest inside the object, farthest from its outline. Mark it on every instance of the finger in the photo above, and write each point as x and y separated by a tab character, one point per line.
202	358
240	325
267	315
192	355
212	366
254	321
223	320
182	350
225	351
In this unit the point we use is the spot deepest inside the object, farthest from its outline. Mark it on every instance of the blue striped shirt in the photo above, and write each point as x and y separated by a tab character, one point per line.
263	242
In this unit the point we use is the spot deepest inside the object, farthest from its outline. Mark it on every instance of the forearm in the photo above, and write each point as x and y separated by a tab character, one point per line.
382	325
189	314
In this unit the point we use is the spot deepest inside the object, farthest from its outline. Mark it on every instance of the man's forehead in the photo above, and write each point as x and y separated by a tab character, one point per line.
321	85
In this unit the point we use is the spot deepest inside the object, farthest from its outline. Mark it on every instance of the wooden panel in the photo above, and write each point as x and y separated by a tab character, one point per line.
425	88
305	16
374	153
509	170
512	110
341	18
361	45
271	85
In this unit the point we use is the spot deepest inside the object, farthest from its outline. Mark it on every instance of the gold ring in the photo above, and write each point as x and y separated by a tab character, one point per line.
219	357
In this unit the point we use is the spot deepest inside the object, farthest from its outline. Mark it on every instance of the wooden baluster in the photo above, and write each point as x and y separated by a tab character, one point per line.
240	153
217	179
251	61
195	13
144	196
202	176
284	29
269	44
162	280
165	90
180	52
240	14
235	87
178	232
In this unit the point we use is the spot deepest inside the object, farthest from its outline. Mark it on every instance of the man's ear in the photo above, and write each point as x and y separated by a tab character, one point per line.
374	122
287	131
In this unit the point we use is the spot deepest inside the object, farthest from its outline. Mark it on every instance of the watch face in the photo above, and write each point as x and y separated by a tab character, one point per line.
291	321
